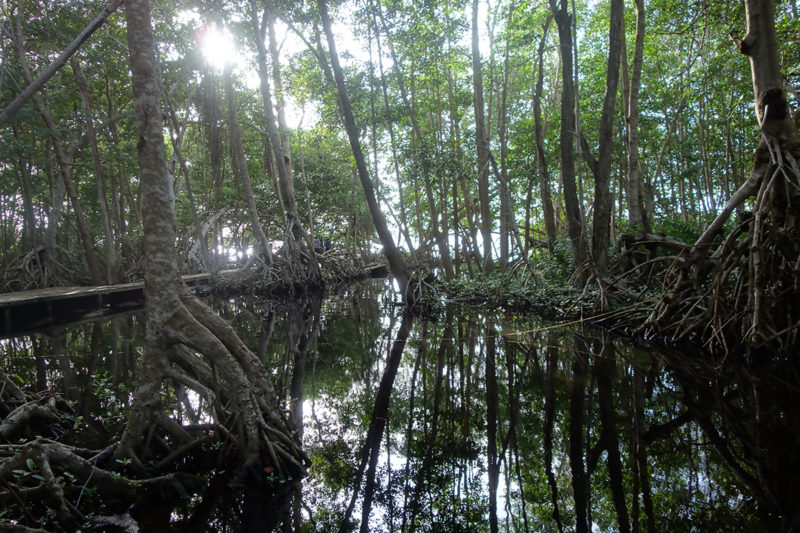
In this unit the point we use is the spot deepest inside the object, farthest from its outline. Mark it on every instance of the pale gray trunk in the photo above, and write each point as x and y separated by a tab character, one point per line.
548	213
482	145
296	236
244	173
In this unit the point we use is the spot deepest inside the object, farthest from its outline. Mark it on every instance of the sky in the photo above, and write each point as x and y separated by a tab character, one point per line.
219	48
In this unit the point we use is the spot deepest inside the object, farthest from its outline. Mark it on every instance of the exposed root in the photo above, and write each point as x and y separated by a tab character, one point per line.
742	290
199	351
422	297
47	485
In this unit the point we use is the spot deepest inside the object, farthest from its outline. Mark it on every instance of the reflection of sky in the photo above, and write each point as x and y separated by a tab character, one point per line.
338	406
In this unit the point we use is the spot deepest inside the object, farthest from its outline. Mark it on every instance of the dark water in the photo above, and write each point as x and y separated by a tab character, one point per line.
473	422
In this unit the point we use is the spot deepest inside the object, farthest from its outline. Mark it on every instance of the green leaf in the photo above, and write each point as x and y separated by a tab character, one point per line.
30	464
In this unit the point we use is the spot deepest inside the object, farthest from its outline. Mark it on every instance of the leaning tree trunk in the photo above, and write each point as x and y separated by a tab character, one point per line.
744	290
34	86
184	340
396	263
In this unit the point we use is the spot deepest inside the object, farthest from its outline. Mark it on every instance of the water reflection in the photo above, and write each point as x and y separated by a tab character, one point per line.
475	422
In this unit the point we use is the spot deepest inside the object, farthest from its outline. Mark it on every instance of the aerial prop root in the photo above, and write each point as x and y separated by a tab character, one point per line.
421	295
215	363
744	290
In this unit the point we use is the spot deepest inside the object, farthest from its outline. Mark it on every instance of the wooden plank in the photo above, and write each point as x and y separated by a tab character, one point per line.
29	311
10	299
63	293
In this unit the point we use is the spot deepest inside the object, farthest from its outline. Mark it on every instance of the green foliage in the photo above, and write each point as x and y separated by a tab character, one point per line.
558	265
687	232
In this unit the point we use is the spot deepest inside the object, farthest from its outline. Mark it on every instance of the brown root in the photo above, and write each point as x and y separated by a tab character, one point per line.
744	291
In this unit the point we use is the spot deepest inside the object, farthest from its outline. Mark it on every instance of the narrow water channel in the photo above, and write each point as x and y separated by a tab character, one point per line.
473	422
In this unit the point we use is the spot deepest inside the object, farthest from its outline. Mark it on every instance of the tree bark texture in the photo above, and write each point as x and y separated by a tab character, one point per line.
184	339
567	135
602	194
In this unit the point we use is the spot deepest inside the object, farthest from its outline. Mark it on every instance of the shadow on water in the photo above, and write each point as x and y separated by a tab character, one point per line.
475	422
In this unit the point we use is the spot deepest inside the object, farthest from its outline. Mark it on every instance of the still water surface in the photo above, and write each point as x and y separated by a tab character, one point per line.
474	422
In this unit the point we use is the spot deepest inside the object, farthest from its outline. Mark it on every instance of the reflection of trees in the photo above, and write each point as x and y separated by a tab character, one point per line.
371	447
748	414
579	437
404	436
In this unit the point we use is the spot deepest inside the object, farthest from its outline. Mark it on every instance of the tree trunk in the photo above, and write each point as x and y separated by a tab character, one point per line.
393	144
99	174
758	311
396	263
61	158
637	216
470	210
280	104
550	226
422	153
506	211
602	194
176	138
58	190
296	236
184	339
244	173
482	144
567	136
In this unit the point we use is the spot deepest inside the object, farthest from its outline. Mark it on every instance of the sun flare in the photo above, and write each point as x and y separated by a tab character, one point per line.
217	46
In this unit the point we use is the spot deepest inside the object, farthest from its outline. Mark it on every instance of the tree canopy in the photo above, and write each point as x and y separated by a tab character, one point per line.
462	172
